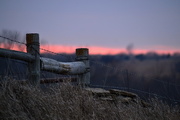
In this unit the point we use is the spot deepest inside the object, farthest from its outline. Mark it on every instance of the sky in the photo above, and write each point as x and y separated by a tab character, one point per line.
103	26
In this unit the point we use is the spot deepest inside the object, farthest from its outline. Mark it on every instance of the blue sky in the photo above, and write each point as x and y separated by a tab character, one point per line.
147	24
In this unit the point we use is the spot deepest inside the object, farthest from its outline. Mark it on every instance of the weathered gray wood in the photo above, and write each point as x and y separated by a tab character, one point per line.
123	93
32	41
71	68
16	55
57	80
82	54
98	91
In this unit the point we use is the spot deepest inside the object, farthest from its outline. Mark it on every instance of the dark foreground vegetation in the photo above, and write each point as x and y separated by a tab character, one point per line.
67	102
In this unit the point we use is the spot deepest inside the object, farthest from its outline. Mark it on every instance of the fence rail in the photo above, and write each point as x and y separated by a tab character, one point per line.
72	68
16	55
36	63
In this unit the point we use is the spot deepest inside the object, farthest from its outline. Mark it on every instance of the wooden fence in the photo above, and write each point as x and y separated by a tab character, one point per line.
36	63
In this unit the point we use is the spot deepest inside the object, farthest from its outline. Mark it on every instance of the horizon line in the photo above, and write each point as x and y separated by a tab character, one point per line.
93	50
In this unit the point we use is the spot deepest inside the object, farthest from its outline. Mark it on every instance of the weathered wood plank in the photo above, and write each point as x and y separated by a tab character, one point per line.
72	68
123	93
98	91
57	80
51	80
32	40
16	55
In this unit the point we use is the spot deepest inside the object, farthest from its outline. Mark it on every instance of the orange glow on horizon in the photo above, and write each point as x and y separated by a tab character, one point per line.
93	50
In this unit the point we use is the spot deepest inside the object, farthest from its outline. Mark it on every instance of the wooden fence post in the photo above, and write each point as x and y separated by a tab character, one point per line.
82	54
32	41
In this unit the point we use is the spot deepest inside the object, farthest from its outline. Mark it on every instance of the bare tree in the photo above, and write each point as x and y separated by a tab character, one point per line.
130	48
8	38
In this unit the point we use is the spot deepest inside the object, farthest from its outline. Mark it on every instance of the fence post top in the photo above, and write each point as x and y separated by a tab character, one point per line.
82	52
32	38
32	33
81	48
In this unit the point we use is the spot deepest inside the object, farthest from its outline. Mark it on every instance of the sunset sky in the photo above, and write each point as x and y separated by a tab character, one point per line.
103	26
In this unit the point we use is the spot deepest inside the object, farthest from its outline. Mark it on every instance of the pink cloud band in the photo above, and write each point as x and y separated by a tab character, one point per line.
95	50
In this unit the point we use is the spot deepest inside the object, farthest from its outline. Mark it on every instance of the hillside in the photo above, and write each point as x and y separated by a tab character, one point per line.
65	102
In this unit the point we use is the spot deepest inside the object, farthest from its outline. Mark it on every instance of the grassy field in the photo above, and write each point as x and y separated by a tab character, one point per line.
66	102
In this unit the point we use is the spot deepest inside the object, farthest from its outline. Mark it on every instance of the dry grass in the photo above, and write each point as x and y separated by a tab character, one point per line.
66	102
